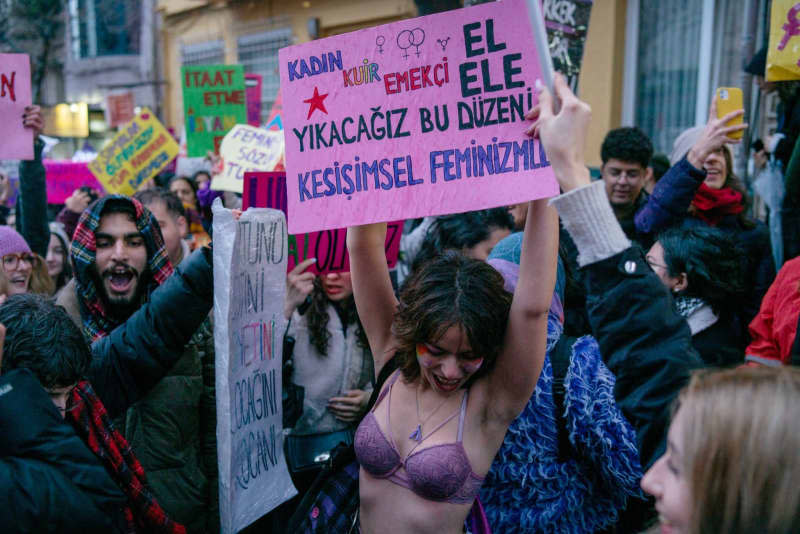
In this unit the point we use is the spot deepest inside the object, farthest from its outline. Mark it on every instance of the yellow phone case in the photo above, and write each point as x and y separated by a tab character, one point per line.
730	99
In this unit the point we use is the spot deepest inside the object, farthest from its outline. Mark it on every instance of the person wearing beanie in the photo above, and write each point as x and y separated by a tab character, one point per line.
701	189
58	266
22	271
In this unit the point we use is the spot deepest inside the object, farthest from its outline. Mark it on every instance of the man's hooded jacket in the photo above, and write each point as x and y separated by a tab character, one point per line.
173	428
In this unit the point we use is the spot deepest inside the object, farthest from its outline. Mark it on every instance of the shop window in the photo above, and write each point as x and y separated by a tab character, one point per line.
258	53
105	27
208	53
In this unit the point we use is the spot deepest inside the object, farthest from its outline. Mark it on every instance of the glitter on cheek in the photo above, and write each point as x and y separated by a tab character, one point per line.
472	366
424	357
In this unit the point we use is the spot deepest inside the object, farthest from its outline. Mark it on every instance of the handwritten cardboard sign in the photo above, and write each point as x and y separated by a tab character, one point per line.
252	83
783	55
137	153
244	149
64	177
418	117
567	23
15	95
213	102
329	247
249	290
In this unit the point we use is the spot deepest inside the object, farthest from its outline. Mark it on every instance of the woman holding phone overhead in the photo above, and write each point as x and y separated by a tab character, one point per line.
467	353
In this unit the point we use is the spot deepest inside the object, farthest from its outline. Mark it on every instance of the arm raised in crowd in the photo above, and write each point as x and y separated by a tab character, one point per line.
372	288
643	340
137	354
32	201
674	192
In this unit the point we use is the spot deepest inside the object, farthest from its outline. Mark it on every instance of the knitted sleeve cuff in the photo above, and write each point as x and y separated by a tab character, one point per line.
588	218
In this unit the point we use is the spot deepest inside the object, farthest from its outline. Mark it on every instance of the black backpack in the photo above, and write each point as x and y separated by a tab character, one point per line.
560	358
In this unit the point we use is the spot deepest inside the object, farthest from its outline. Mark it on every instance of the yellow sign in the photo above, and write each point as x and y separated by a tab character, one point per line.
138	152
783	58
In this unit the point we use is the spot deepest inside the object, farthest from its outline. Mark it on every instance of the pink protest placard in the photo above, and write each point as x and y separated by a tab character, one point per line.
414	118
64	177
329	247
15	95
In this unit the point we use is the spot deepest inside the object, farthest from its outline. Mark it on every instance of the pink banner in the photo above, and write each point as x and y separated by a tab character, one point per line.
15	95
268	190
419	117
252	95
64	177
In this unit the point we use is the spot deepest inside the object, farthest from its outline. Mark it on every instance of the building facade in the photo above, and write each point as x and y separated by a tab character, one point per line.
251	33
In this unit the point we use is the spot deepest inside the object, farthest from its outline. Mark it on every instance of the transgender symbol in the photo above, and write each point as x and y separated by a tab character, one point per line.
380	41
408	38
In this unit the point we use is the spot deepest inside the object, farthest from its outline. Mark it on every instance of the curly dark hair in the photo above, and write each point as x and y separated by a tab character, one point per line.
451	290
712	263
317	318
460	231
40	336
627	144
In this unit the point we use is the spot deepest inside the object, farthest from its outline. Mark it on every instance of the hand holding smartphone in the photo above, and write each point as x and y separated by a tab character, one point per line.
730	99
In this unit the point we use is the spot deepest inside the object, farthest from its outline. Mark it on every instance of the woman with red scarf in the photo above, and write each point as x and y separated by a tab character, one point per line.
701	189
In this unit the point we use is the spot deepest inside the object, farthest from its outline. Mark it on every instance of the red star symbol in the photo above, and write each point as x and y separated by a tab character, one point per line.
316	103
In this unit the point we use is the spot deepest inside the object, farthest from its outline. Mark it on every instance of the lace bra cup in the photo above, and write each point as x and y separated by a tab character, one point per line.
438	473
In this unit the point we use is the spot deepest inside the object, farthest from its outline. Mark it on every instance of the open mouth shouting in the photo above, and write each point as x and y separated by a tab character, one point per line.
120	281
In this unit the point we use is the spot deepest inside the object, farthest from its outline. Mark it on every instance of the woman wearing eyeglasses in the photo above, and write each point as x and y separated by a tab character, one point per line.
22	270
701	266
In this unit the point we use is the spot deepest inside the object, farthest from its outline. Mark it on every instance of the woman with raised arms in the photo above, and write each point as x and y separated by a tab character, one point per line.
467	356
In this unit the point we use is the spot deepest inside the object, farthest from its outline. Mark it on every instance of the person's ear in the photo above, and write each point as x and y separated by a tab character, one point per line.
683	282
183	225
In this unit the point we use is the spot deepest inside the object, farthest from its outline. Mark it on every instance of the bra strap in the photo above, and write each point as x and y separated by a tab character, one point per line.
386	389
461	417
440	425
389	410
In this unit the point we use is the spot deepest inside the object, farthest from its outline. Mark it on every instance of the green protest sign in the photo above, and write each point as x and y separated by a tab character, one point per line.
213	103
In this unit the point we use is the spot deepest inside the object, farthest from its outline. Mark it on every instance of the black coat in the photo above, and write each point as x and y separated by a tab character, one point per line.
137	354
49	478
50	481
644	342
722	344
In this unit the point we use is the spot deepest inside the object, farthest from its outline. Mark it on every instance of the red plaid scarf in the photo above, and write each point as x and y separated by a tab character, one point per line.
89	417
97	322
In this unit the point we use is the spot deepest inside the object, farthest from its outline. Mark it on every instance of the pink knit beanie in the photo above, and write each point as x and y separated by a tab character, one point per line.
11	242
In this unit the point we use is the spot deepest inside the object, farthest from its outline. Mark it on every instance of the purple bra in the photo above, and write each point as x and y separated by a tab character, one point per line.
437	473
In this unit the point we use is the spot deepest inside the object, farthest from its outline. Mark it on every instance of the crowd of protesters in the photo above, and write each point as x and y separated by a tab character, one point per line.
617	357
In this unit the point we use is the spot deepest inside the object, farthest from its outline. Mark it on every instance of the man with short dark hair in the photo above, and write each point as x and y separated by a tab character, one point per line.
120	260
626	153
168	210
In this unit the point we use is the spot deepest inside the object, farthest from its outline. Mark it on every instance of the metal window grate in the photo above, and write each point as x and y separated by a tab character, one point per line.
208	53
258	53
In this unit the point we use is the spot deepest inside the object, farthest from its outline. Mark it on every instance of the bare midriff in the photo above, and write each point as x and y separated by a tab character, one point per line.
388	507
